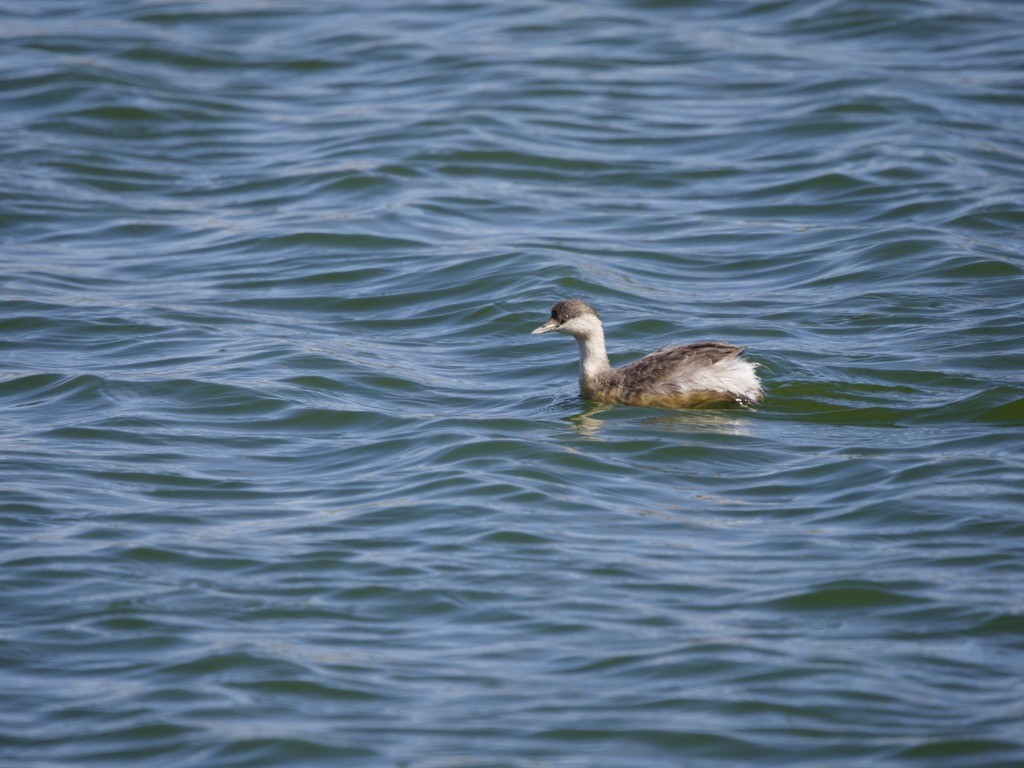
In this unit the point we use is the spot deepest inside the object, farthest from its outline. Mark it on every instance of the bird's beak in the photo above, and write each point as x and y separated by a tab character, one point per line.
550	325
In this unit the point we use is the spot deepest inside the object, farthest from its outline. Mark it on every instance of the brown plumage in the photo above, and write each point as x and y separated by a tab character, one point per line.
693	375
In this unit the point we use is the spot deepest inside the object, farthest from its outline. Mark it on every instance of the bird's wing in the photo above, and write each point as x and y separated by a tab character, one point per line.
672	368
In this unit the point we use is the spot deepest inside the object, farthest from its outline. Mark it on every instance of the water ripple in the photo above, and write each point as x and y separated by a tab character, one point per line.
287	481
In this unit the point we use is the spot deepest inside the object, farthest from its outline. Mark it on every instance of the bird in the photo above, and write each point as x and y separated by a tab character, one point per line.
706	373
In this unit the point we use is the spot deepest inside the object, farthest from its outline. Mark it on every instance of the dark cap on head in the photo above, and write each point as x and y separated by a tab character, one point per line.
567	309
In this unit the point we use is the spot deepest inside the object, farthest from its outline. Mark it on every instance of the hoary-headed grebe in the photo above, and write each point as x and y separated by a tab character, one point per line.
705	373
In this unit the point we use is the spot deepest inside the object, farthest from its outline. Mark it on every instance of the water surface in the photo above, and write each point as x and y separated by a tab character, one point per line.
286	481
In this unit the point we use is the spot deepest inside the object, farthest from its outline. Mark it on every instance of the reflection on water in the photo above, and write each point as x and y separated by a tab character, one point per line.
727	420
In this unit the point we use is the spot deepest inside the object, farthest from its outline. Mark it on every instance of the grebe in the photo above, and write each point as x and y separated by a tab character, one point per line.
694	375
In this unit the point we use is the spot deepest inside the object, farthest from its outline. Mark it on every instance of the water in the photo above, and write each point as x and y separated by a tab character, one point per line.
286	481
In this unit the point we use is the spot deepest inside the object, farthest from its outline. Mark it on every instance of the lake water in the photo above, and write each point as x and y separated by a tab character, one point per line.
285	481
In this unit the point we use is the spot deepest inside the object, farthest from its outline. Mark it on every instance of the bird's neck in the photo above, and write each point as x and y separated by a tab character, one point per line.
593	361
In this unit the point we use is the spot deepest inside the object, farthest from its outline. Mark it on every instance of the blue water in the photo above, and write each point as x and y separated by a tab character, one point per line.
284	479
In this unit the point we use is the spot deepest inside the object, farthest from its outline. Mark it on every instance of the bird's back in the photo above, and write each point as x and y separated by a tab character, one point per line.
704	373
